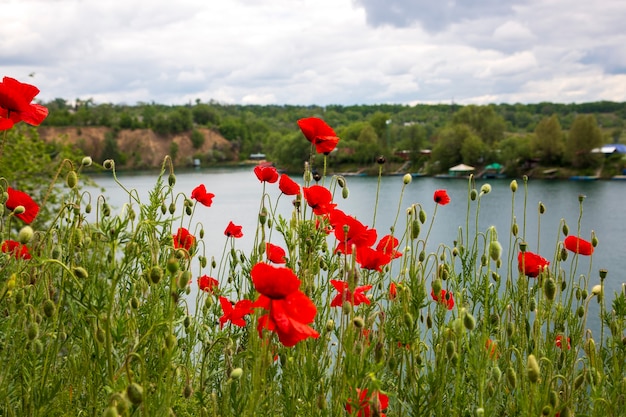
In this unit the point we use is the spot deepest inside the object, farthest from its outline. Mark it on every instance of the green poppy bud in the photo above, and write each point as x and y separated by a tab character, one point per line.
32	331
72	179
549	288
532	368
407	179
170	341
80	272
511	377
496	373
110	412
542	208
514	229
49	308
108	164
565	229
345	192
358	322
100	335
513	186
330	325
408	320
171	179
469	321
86	161
473	194
450	349
134	392
156	273
415	229
485	189
594	239
422	216
25	235
495	250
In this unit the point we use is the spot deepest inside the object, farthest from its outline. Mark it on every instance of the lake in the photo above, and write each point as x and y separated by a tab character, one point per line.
238	193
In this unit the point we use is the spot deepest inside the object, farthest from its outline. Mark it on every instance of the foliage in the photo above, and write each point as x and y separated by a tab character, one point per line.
549	140
583	136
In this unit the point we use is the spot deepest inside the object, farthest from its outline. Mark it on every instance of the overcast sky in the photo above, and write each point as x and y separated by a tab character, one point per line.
317	51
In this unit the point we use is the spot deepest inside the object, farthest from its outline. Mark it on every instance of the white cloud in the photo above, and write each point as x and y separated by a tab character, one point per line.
316	52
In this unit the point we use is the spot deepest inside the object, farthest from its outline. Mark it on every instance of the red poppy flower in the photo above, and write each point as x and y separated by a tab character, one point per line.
16	249
207	283
232	230
5	124
369	406
393	291
441	197
275	254
15	102
388	245
559	342
20	198
201	196
235	314
183	239
289	309
266	173
578	245
344	294
371	259
531	264
445	298
350	232
319	134
319	199
288	186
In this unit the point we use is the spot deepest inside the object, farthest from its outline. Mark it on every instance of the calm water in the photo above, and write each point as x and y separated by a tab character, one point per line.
238	193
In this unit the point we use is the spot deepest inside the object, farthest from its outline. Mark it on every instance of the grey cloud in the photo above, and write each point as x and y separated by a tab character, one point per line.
433	15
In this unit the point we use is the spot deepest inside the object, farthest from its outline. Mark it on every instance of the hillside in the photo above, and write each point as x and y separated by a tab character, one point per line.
139	148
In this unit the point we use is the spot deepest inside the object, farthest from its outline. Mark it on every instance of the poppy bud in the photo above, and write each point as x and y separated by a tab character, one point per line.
345	192
485	189
542	208
563	254
496	373
429	321
108	164
513	186
549	288
546	410
100	335
480	412
566	412
450	349
594	239
415	229
25	235
80	272
532	304
330	325
110	412
514	229
49	308
565	229
183	279
422	216
341	181
86	161
510	329
408	320
380	160
469	321
421	256
532	368
156	273
171	179
581	197
495	250
407	179
358	322
553	398
33	331
511	377
437	285
170	341
473	194
19	210
596	290
134	392
72	179
580	311
263	215
172	208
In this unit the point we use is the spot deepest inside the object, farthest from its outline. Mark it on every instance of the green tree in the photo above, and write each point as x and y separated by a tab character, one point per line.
484	120
583	136
548	143
448	143
197	139
474	150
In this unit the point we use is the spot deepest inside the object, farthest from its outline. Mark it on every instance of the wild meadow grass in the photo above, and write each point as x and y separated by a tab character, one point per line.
325	316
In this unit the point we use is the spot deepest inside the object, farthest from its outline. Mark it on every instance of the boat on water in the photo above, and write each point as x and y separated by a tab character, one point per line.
584	178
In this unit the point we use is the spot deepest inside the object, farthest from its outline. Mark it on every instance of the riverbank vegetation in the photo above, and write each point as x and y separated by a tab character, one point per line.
111	311
544	139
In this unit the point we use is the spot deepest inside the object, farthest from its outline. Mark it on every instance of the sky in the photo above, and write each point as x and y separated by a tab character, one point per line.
317	52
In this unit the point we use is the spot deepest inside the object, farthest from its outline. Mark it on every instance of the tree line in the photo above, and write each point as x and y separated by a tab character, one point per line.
515	135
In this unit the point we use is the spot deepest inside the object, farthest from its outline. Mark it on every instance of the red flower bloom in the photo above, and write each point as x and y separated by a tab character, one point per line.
16	249
319	134
492	349
289	309
288	186
578	245
207	283
266	173
15	103
201	196
393	291
319	199
344	294
350	232
232	230
183	239
275	254
371	259
5	124
531	264
445	298
559	342
388	245
20	198
441	197
235	314
369	406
